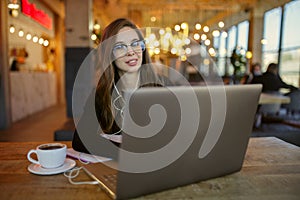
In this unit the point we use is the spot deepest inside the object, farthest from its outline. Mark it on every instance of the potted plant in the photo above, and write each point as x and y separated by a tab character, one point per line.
239	62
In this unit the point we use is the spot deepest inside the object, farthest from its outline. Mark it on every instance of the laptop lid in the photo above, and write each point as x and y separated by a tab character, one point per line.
181	135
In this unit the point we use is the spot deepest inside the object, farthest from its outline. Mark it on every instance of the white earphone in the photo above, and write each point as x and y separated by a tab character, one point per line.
117	89
118	97
121	110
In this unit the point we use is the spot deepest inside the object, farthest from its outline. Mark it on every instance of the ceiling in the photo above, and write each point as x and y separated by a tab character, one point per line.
171	12
168	12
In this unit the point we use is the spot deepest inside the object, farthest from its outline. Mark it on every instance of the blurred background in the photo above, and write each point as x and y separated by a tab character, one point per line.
43	44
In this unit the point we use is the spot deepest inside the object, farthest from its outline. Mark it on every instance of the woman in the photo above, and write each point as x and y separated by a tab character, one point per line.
124	63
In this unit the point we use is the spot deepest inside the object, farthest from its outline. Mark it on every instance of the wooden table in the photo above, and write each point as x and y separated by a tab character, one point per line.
273	99
271	170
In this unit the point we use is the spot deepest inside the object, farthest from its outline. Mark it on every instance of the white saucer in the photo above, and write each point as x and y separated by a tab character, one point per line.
38	169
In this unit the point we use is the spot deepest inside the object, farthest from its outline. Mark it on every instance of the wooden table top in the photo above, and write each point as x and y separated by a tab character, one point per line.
271	170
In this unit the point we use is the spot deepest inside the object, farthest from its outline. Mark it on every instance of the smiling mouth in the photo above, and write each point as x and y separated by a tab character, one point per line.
132	62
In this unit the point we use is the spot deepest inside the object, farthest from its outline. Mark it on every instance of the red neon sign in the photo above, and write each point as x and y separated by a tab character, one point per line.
30	10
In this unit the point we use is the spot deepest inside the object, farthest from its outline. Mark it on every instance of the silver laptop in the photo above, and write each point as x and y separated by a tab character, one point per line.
177	136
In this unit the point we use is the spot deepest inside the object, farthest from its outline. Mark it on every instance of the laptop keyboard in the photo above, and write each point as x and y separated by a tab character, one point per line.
110	179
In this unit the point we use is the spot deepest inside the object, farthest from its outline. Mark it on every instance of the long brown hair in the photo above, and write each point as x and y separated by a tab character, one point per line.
109	74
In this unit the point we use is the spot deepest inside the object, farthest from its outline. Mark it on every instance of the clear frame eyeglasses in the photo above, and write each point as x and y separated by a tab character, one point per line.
121	50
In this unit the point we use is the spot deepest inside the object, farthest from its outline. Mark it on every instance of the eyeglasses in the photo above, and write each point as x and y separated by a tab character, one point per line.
121	50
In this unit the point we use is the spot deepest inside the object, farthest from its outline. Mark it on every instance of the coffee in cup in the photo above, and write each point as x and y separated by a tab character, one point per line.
51	155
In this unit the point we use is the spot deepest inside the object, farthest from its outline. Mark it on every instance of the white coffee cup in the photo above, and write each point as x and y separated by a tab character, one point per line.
51	155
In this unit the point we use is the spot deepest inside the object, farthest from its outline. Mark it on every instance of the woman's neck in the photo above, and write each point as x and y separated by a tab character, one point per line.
130	80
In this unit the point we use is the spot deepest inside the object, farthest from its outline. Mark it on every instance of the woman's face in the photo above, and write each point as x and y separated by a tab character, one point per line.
128	51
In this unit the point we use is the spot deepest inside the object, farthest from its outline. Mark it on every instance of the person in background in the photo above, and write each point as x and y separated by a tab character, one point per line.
14	65
129	67
254	72
271	80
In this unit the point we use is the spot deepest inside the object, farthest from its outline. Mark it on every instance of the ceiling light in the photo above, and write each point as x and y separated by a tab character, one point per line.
205	29
14	12
224	34
184	25
161	31
264	41
152	37
12	29
46	43
97	26
93	37
221	24
28	36
183	58
21	33
156	43
198	26
173	50
41	40
188	51
196	36
216	33
249	55
206	61
212	51
207	42
156	51
177	42
35	39
153	19
187	41
177	27
13	5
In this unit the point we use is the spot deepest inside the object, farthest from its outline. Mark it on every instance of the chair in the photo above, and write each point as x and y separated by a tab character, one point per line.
268	112
65	133
270	109
294	106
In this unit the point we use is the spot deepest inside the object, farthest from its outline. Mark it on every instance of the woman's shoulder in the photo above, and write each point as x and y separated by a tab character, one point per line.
165	80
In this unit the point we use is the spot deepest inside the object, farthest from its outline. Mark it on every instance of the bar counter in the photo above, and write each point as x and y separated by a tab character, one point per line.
31	92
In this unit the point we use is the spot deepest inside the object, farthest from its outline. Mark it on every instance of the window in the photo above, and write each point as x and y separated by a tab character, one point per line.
291	33
221	54
272	20
243	32
232	33
290	54
231	40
